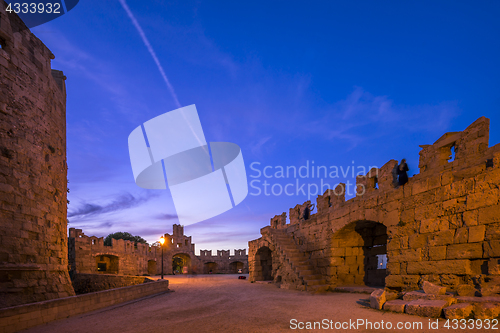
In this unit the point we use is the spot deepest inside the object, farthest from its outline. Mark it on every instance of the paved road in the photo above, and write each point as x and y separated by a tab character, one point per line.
223	303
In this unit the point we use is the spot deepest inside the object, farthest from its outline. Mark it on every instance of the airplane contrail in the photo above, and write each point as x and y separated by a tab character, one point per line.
151	51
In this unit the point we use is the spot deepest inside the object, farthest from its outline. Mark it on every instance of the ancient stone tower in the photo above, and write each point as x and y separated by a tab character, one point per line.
33	185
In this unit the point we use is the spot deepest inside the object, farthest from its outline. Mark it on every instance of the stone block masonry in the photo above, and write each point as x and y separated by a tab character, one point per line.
89	283
441	227
88	254
20	317
33	183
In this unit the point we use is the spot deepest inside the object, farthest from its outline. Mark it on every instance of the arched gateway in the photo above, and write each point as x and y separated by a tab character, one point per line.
361	253
181	263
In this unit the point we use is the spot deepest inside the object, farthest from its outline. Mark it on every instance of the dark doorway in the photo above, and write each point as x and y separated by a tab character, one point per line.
236	267
107	264
359	251
181	263
210	268
152	267
264	264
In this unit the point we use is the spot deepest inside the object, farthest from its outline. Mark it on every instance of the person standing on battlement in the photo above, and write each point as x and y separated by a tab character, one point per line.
402	169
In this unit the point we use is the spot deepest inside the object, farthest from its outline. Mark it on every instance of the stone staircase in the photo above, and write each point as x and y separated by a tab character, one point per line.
298	262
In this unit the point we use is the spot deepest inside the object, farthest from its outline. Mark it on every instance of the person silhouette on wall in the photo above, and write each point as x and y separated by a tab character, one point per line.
394	172
402	169
307	211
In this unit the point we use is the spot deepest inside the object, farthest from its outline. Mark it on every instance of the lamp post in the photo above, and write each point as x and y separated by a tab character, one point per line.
162	240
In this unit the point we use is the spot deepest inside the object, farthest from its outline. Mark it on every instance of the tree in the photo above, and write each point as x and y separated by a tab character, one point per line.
156	244
177	264
125	236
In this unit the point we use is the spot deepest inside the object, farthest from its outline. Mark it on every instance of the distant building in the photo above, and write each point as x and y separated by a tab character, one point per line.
88	254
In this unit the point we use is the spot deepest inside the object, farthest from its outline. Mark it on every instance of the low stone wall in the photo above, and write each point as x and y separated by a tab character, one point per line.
17	318
89	283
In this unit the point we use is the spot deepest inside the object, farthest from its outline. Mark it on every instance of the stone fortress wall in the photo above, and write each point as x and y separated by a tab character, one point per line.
33	183
223	262
443	227
88	254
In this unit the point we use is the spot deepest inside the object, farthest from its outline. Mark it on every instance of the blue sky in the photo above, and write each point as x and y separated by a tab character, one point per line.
289	82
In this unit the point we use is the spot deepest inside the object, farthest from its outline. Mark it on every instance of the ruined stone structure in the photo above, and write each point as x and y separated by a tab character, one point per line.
443	227
33	184
223	262
90	255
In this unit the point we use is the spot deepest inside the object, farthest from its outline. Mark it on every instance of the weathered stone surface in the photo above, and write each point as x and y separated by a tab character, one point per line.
465	251
466	290
458	311
389	296
492	231
89	283
491	249
489	214
397	305
476	233
431	288
494	266
426	308
444	267
437	253
461	236
445	237
377	299
486	311
474	300
482	199
416	295
407	255
33	169
490	286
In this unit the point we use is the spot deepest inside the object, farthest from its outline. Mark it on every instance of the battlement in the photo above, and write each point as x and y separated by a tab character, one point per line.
88	254
222	253
178	230
441	226
118	246
472	155
178	240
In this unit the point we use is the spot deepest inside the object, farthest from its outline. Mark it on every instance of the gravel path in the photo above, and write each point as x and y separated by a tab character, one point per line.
224	303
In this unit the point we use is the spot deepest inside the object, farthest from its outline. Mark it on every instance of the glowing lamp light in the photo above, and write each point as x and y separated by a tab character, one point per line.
162	240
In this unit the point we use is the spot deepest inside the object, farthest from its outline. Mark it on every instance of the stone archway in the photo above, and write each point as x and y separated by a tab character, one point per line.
181	263
107	264
210	268
359	252
152	267
235	266
263	264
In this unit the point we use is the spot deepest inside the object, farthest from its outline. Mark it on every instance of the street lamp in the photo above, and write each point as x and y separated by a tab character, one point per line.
162	240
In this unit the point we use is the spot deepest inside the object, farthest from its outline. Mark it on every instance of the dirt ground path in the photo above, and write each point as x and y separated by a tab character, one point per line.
224	303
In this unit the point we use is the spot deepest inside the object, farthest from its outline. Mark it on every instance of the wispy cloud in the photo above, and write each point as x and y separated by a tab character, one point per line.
122	202
256	147
165	216
362	116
